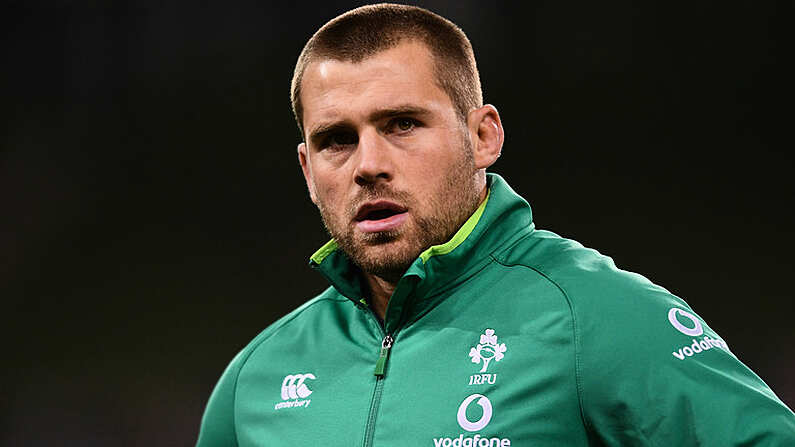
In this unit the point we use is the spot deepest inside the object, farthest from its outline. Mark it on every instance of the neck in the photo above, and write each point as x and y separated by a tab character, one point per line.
381	290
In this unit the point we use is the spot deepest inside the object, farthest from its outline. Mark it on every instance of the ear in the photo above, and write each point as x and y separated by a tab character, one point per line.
486	134
303	159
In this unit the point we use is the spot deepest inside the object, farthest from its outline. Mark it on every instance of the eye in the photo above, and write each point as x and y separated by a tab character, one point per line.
405	124
337	140
401	125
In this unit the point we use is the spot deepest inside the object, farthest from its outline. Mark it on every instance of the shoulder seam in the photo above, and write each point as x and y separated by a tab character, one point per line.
501	251
576	336
253	347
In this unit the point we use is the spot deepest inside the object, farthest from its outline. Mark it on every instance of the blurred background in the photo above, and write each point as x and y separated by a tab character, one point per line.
153	218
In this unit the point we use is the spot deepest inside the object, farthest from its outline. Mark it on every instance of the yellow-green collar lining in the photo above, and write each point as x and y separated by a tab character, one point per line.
436	250
460	236
324	251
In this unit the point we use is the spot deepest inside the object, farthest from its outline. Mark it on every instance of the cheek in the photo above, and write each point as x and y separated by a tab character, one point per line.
329	173
435	166
326	190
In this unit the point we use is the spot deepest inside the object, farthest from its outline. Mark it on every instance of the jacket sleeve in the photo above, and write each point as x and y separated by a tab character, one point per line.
652	373
218	422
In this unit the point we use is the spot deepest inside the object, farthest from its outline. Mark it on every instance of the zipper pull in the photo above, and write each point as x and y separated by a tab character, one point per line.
380	365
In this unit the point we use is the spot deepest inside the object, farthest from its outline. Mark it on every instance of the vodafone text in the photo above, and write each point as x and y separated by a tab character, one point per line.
698	346
471	441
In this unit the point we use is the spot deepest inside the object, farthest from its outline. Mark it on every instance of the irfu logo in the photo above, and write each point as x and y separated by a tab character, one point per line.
487	350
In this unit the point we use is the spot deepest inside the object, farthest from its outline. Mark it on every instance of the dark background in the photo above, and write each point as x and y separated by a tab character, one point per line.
153	218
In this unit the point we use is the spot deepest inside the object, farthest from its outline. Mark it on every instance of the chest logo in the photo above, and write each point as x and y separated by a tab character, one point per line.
487	350
295	391
485	418
293	386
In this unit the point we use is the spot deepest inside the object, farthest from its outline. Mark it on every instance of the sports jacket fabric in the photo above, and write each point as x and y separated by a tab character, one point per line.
505	335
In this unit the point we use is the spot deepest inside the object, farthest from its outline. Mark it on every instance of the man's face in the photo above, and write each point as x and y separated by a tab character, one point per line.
387	160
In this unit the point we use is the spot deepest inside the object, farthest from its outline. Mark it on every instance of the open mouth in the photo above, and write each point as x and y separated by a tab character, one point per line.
379	211
380	216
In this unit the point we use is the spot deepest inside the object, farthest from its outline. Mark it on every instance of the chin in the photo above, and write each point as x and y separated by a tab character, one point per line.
387	257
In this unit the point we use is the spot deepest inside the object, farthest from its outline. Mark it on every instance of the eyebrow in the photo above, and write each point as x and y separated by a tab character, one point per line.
398	111
322	129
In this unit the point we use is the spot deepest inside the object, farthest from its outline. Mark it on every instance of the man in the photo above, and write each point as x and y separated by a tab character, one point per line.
451	320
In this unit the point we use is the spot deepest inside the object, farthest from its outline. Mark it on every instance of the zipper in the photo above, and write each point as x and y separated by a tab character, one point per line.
387	342
383	356
380	368
375	402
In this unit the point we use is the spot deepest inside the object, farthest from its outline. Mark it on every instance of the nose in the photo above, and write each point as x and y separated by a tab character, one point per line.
374	162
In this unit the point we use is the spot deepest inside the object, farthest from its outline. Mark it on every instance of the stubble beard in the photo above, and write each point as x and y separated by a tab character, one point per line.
388	254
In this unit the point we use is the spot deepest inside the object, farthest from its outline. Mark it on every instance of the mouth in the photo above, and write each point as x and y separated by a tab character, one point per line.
381	215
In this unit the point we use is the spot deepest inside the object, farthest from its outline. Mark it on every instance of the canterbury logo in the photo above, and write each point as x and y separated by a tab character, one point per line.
293	386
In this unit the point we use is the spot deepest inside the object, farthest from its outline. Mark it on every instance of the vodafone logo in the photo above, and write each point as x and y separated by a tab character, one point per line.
484	420
468	439
694	331
693	328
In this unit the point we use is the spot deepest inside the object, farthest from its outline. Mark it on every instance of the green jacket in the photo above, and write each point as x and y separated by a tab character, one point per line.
505	335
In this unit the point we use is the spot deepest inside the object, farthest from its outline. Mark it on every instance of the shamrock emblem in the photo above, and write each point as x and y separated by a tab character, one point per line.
487	350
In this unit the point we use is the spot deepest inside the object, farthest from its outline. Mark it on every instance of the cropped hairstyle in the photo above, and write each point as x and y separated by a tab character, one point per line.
363	32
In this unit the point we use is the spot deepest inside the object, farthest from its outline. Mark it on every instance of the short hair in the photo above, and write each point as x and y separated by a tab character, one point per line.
363	32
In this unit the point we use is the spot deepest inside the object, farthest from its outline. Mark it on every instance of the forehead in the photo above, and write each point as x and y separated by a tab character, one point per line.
402	75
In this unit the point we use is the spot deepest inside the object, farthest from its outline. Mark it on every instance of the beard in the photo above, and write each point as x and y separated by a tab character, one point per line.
388	254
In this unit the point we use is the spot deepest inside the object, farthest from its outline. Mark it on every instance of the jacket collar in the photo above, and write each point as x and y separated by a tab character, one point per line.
500	220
